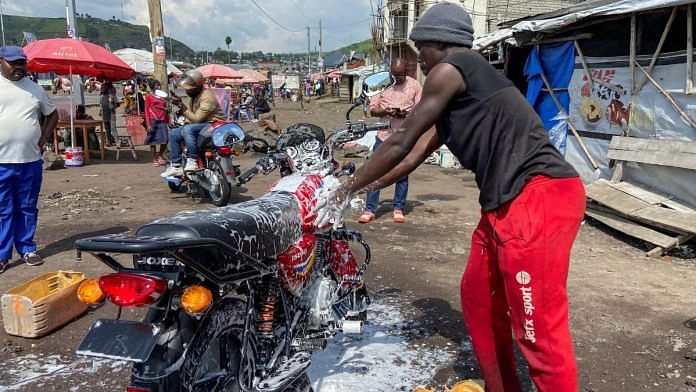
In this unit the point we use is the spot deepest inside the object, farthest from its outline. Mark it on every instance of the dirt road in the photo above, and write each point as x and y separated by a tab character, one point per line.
633	318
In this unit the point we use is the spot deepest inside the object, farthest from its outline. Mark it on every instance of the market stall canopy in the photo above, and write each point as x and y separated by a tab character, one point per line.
141	61
257	76
65	56
334	75
216	71
316	76
524	30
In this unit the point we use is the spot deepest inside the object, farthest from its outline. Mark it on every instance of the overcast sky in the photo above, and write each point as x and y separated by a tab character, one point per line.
206	23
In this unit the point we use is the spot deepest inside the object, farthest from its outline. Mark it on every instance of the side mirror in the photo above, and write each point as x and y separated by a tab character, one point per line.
377	83
348	168
227	134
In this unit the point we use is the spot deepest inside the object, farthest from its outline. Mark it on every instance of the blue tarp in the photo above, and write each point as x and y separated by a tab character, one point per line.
558	62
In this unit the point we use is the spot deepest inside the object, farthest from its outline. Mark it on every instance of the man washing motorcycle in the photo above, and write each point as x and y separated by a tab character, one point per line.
204	109
532	202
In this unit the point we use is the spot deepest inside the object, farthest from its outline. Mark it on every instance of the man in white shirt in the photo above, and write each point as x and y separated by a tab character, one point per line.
21	140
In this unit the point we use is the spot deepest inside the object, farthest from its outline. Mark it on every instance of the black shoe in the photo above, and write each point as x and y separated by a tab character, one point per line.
3	265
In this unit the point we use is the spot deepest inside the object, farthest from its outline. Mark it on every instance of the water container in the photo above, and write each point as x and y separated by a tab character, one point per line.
447	159
73	157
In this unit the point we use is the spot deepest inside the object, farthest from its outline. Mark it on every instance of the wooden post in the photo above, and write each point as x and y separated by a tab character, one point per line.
669	98
157	30
590	79
668	26
570	123
632	52
689	50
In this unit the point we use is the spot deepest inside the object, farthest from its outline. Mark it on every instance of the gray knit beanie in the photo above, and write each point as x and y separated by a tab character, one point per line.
447	23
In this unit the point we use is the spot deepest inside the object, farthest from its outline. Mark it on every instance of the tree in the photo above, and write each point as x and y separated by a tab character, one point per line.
228	41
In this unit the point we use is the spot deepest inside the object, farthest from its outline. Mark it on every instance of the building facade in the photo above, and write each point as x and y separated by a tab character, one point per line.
397	18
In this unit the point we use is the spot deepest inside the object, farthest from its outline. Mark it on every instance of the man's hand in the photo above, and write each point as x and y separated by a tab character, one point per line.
42	143
330	206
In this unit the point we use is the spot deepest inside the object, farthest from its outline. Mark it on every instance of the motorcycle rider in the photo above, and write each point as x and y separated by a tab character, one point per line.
204	109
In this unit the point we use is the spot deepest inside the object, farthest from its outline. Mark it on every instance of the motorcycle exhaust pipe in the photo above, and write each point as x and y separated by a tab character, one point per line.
352	327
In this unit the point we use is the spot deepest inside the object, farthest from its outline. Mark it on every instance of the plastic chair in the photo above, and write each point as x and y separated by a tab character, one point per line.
243	109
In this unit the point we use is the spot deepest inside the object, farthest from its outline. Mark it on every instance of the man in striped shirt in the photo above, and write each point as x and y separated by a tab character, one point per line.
392	106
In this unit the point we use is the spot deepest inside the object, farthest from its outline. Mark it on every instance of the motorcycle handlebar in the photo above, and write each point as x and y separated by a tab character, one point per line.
247	176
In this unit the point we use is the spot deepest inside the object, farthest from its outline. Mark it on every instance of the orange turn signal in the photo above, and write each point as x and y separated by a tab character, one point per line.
89	292
208	154
196	299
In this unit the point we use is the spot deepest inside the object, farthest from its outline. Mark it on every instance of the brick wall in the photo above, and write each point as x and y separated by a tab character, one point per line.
504	10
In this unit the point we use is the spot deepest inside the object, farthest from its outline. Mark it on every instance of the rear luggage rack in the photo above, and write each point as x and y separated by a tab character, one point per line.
229	265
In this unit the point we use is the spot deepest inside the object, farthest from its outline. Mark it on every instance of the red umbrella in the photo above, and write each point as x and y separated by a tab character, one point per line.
334	75
217	71
70	56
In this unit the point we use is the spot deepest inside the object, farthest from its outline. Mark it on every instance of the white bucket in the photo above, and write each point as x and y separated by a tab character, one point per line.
73	157
447	159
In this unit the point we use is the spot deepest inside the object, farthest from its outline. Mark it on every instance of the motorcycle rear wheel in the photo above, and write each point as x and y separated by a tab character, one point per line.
221	195
213	358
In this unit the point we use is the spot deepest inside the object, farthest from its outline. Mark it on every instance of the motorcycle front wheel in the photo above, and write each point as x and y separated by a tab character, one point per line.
219	195
214	356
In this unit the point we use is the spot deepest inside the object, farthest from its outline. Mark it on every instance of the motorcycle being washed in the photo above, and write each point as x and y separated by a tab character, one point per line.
216	171
237	297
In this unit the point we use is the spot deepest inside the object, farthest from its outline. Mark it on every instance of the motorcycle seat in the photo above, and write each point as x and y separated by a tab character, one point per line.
260	228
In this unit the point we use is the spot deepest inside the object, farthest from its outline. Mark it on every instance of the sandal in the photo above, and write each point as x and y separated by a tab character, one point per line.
3	265
366	217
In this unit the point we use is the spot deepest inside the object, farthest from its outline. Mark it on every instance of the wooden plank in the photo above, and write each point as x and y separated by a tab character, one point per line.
668	96
667	218
665	32
635	230
632	53
649	195
660	250
676	205
635	143
641	193
660	158
636	209
603	193
674	153
689	50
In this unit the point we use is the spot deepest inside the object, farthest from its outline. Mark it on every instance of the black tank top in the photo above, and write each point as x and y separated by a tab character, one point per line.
494	132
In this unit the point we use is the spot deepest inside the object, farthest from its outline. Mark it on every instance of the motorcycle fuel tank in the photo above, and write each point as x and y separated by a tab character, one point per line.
296	263
304	188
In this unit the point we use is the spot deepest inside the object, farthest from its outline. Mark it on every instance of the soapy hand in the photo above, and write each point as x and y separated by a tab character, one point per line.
330	205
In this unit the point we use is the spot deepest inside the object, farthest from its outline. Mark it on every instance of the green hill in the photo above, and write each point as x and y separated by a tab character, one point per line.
362	47
116	33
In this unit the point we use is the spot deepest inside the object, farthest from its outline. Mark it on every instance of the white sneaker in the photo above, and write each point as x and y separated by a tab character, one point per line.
172	171
191	165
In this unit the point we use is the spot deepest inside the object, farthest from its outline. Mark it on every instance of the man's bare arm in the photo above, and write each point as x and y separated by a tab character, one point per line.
426	145
443	83
50	124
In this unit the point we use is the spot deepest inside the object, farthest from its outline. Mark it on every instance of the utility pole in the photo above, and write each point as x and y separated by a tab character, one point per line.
309	55
72	31
159	56
321	46
2	24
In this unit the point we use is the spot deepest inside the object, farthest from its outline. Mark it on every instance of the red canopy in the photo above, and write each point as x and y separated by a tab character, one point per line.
217	71
66	55
334	74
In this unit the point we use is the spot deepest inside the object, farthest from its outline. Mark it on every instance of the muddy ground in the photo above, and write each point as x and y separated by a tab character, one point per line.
633	318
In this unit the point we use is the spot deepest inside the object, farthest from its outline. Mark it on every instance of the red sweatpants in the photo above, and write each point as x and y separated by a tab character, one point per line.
516	279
